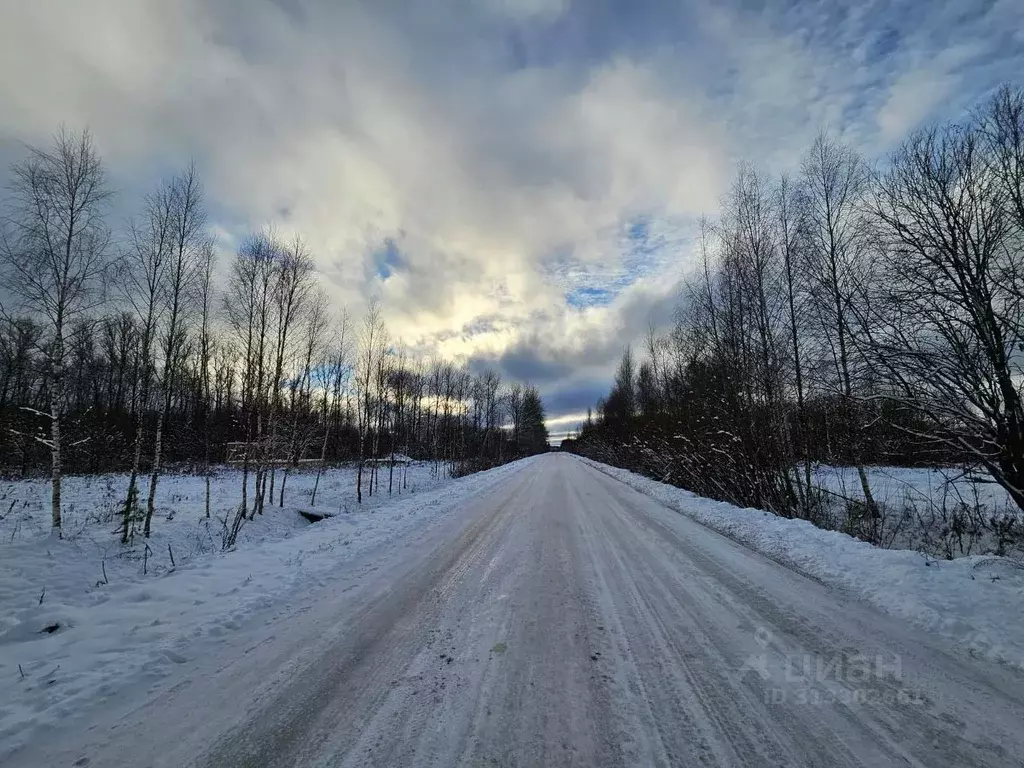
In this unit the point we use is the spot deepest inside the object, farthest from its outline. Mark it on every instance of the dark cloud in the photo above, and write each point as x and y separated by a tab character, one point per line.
517	181
572	373
573	397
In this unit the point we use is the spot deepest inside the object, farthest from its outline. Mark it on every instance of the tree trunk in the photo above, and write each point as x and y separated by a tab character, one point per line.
56	470
154	477
131	502
132	498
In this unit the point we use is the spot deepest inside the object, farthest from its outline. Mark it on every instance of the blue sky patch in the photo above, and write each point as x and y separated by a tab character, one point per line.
581	298
387	259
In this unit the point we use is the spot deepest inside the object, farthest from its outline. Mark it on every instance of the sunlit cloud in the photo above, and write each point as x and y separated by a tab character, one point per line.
517	181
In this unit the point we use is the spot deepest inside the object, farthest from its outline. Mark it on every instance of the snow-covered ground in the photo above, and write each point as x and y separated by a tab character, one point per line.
891	485
939	511
973	602
82	614
91	515
71	638
552	616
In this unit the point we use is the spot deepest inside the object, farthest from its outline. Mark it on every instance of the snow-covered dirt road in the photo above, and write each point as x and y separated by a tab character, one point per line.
561	618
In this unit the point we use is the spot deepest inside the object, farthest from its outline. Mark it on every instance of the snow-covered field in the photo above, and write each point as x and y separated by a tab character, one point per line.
81	614
941	512
180	529
891	485
973	602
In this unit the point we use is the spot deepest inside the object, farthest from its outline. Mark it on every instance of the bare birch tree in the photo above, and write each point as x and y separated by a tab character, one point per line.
188	242
293	282
836	183
55	241
372	343
333	376
314	331
204	302
247	305
150	243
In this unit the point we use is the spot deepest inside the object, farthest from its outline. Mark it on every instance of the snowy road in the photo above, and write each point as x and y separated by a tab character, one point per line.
562	618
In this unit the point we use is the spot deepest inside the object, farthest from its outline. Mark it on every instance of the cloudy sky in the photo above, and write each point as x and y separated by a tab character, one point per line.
516	180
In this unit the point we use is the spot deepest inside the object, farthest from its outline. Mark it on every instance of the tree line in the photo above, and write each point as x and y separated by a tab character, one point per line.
129	351
850	314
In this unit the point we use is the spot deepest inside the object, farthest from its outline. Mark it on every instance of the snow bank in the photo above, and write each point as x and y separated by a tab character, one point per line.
973	602
87	636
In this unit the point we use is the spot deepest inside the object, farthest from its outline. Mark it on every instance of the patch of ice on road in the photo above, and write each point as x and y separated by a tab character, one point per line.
972	602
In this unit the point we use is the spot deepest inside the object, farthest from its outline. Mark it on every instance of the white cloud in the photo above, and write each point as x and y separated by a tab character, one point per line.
506	180
915	94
